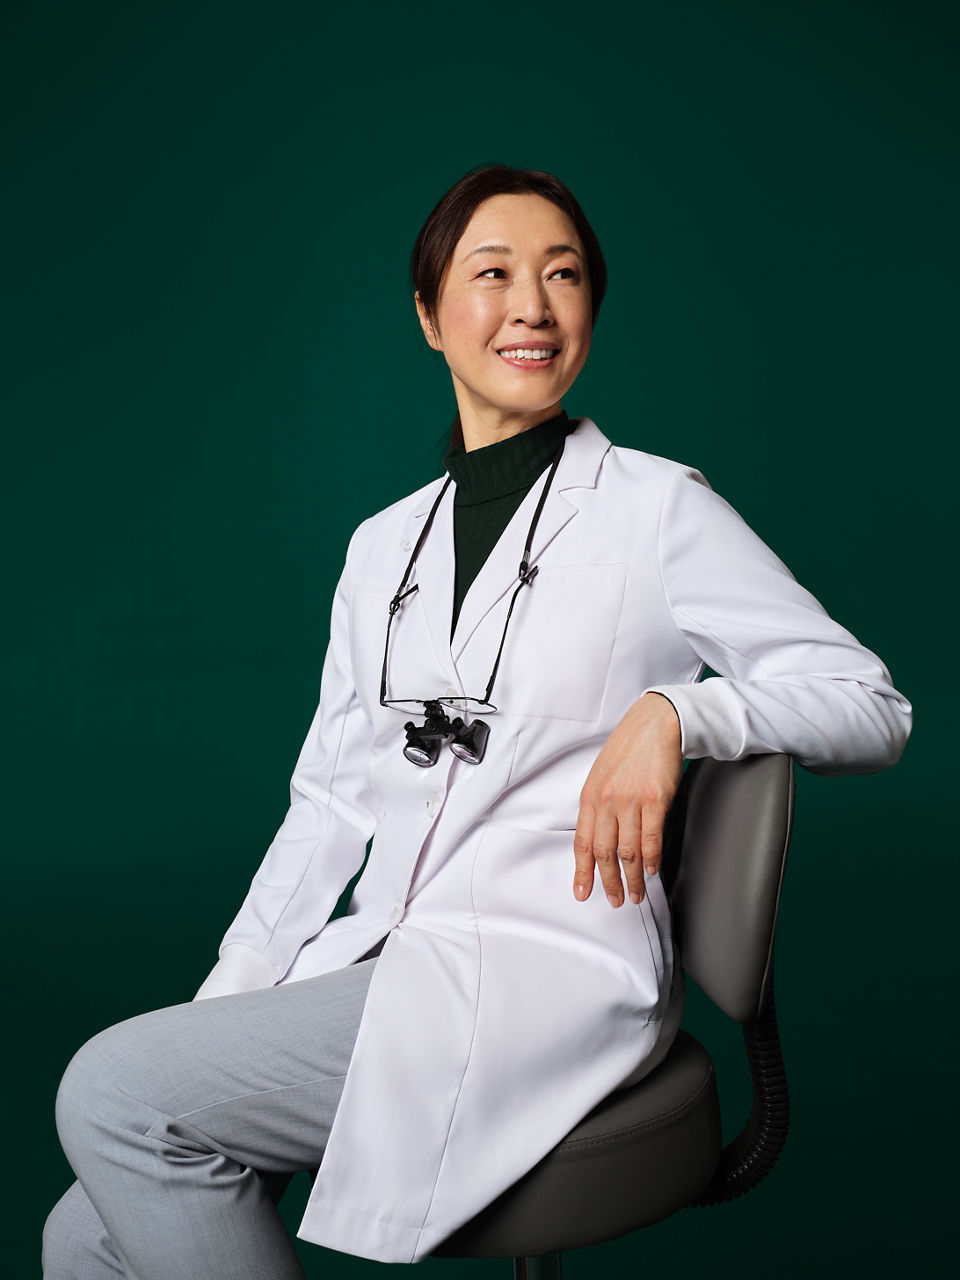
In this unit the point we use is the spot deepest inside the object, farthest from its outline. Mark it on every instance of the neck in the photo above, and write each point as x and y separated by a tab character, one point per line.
489	425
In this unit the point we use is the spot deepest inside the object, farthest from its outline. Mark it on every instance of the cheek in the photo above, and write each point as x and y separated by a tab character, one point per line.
577	348
585	343
579	327
467	323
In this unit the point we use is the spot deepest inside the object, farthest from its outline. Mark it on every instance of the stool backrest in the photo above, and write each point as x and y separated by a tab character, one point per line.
725	851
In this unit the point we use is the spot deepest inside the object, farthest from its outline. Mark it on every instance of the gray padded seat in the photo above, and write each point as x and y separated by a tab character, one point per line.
633	1160
655	1147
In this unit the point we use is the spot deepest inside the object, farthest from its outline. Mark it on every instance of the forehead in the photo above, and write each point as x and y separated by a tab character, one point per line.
522	222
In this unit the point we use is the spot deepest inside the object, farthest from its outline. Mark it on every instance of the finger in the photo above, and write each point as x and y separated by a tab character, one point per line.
605	840
651	841
583	854
630	857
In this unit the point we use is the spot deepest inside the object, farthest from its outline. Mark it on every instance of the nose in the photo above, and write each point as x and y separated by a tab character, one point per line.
529	303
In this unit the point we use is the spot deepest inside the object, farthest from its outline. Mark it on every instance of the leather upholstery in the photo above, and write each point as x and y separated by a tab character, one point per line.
726	873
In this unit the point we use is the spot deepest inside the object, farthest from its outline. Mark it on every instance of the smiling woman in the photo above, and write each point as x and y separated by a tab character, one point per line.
513	318
478	998
507	272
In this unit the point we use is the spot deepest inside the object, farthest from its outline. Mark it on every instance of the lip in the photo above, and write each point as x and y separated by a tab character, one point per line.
529	366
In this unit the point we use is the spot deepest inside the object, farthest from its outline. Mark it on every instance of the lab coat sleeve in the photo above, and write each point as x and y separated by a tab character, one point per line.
322	841
794	680
239	968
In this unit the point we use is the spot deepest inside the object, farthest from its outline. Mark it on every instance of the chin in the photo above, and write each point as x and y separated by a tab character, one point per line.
530	403
525	410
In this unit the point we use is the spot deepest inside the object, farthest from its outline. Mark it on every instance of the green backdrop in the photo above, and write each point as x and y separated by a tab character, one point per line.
213	372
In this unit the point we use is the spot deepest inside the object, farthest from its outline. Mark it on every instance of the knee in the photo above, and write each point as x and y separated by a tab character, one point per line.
94	1090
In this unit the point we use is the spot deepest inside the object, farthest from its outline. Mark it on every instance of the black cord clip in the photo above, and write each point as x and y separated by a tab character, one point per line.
395	602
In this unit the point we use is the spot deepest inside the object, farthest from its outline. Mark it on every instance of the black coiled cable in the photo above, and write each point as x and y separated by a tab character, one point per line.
753	1153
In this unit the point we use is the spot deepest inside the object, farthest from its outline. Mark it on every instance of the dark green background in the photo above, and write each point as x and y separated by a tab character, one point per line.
213	372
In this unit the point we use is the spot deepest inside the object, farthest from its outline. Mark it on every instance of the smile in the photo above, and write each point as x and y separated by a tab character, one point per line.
532	354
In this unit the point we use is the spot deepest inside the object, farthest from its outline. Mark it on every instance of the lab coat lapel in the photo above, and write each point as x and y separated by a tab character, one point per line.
435	567
579	467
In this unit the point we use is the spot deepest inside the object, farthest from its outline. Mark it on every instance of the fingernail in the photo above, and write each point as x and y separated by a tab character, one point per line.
580	891
614	902
635	899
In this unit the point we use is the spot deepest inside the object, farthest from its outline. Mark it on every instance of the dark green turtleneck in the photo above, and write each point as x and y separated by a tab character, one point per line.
490	485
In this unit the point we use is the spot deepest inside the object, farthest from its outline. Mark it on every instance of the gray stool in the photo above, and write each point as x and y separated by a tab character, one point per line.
654	1148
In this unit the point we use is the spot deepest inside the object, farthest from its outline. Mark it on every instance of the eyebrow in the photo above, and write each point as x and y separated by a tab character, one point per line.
505	248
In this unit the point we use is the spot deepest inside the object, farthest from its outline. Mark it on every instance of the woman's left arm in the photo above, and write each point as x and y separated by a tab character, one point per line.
793	681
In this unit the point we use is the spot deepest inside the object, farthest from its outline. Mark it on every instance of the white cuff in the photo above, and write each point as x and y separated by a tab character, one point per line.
240	968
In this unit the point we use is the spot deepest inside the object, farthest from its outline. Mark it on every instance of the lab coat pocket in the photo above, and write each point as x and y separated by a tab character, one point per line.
523	889
557	654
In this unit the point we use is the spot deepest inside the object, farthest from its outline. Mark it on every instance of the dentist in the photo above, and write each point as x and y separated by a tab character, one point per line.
546	609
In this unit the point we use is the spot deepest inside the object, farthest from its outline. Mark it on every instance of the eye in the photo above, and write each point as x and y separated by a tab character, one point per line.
567	273
491	273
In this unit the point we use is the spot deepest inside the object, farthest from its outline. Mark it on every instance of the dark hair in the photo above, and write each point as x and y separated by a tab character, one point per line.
442	230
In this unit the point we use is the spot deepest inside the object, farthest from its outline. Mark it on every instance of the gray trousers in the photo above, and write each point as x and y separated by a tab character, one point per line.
181	1126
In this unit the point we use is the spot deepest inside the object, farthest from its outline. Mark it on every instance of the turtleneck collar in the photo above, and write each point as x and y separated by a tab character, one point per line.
508	466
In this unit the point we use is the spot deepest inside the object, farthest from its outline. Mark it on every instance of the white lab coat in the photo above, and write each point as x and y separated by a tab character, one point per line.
501	1009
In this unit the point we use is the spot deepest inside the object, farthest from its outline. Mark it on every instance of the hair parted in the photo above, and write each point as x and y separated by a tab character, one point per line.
447	222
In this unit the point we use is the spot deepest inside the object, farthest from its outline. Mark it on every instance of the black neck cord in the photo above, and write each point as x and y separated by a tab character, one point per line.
525	573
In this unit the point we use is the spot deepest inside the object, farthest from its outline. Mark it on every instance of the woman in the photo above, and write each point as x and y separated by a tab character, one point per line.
546	610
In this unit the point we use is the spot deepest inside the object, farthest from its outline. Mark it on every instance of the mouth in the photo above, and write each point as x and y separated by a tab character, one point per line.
528	357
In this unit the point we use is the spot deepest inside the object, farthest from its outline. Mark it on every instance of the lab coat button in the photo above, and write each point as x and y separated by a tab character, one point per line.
396	915
433	806
406	546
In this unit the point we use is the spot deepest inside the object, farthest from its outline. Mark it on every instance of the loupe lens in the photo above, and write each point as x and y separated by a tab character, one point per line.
423	755
470	744
422	748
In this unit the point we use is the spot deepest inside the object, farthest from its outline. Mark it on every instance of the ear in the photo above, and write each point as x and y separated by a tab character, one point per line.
430	331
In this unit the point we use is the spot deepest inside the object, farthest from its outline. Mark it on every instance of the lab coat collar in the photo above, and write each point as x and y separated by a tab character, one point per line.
434	573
